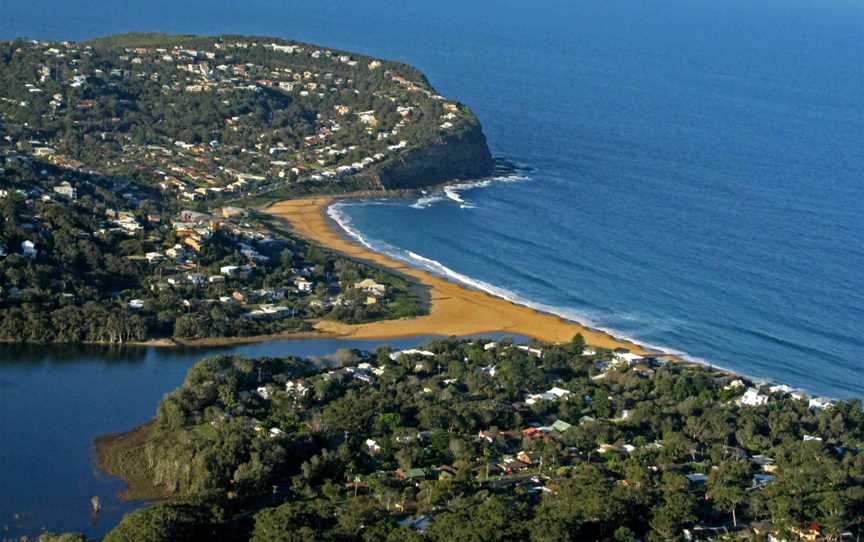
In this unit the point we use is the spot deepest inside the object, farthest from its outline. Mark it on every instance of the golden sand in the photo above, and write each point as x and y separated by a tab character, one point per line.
455	309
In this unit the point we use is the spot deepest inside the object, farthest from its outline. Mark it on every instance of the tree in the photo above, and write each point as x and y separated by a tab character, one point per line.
293	522
728	484
162	522
577	344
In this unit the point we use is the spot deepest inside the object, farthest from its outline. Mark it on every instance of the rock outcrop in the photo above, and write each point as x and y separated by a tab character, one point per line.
460	156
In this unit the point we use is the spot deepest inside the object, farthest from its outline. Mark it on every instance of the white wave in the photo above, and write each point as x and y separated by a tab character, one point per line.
451	193
339	217
426	201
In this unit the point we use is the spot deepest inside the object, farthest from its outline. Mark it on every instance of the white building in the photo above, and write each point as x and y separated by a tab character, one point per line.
753	397
28	249
396	355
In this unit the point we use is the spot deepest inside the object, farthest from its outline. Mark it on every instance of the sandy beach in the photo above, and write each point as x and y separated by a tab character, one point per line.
455	309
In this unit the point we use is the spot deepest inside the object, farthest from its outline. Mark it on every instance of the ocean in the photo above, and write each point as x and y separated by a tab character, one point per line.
689	173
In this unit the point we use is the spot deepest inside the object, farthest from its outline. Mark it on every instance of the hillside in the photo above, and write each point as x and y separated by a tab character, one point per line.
225	117
129	165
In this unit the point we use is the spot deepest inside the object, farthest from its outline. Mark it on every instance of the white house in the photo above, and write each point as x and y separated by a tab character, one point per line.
396	355
264	392
371	287
296	387
533	351
66	189
28	249
627	358
553	394
753	397
303	285
154	257
820	403
373	446
229	270
735	384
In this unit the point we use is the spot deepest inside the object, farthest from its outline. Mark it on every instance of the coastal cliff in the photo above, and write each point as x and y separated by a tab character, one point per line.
458	156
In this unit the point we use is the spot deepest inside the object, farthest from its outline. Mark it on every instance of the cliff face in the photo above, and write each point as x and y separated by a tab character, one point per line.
462	156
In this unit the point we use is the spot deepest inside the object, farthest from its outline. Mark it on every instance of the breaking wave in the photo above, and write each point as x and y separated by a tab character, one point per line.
453	192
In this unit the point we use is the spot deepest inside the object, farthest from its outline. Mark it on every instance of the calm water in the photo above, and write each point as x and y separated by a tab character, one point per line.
692	177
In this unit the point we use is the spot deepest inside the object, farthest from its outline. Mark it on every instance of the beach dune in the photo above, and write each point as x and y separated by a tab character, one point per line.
454	309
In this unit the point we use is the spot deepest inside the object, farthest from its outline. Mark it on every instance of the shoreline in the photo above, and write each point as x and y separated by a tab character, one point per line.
454	309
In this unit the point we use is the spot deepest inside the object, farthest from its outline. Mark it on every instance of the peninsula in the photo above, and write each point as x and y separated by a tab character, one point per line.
131	167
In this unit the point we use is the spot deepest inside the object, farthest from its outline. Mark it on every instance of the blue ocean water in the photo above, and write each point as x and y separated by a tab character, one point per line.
695	167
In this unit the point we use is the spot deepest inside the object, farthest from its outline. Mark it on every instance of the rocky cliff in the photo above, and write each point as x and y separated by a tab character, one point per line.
460	156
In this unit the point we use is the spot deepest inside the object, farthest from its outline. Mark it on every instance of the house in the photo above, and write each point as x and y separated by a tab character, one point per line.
561	426
697	478
412	351
811	532
303	285
626	358
372	446
297	387
510	465
415	474
28	249
371	300
194	243
229	270
371	287
533	432
269	311
66	189
275	432
533	351
753	397
489	370
265	392
735	384
553	394
154	257
820	403
136	304
525	457
196	279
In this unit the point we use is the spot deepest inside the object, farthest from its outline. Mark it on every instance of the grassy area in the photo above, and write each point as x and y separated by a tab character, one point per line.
122	455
